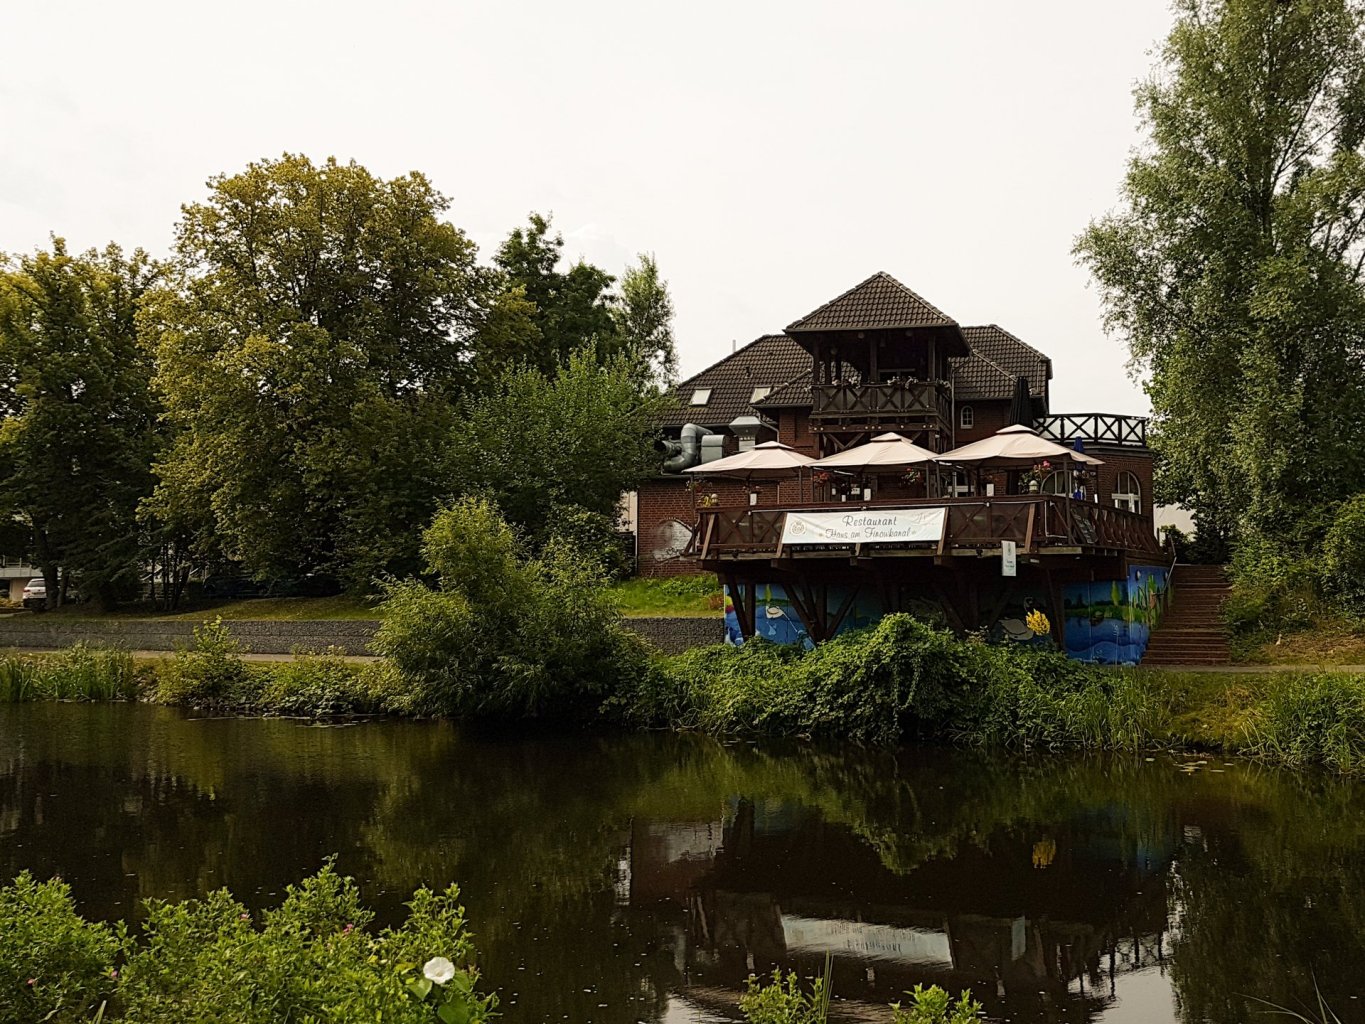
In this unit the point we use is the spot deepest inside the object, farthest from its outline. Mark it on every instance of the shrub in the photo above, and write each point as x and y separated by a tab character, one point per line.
784	1001
1273	586
593	535
53	965
319	684
506	634
1318	719
209	672
934	1006
1343	554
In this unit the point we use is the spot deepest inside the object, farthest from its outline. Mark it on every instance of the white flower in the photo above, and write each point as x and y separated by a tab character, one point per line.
438	970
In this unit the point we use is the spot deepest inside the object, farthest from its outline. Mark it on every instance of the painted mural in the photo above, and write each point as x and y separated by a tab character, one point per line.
1111	621
1108	622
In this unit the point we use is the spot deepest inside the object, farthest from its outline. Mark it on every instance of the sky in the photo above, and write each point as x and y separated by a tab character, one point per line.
770	155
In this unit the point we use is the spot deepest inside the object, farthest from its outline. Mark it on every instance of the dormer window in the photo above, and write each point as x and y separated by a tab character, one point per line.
966	419
701	396
759	393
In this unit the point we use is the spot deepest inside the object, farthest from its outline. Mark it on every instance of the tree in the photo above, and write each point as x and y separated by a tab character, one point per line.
311	356
535	441
78	420
644	319
540	314
1233	271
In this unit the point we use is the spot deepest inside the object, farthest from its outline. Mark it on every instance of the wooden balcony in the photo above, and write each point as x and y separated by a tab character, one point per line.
1094	428
1039	524
836	406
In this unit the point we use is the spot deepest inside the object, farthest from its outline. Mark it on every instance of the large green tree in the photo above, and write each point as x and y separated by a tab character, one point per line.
311	356
78	420
540	312
644	321
1233	267
540	443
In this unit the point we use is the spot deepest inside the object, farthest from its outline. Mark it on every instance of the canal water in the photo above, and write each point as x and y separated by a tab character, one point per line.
641	878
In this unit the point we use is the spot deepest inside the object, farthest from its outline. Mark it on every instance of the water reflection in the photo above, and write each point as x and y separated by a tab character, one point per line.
643	877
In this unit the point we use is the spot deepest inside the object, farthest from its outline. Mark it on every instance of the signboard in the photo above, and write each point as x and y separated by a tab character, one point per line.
1009	558
863	940
868	526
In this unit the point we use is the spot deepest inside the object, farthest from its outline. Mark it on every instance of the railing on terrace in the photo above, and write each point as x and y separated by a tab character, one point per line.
903	400
1034	522
1095	427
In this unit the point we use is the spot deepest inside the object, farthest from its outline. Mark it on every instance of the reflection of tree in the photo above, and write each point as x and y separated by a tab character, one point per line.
130	801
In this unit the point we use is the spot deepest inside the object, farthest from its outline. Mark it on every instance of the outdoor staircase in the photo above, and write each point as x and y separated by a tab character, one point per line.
1192	631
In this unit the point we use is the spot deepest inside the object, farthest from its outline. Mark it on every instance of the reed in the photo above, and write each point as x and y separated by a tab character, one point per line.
76	673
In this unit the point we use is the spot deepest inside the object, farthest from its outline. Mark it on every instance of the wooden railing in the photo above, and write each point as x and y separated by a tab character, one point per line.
904	400
1034	522
1095	427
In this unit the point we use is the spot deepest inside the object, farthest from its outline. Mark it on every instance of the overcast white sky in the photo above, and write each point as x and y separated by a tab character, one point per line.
770	154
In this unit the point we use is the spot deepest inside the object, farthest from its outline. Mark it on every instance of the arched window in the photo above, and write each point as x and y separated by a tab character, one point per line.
1058	482
1128	492
966	419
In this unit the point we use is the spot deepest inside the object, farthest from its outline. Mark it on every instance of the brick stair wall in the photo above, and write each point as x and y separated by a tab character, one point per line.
1192	630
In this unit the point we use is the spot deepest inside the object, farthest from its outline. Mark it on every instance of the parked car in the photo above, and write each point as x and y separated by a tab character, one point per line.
35	594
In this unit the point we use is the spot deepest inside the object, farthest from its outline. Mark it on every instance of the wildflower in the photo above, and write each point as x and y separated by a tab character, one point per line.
113	973
1037	623
32	982
348	929
438	970
244	917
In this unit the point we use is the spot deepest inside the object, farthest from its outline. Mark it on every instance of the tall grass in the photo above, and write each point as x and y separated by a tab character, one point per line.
76	673
1311	719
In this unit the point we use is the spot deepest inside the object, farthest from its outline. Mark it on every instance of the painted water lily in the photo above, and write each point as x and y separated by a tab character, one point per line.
438	970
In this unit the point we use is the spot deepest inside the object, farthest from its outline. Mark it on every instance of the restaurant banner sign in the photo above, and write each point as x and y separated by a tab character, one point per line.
867	526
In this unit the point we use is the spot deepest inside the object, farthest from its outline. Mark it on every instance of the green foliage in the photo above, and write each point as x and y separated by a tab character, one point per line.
644	318
205	960
899	678
506	634
211	671
934	1006
785	1001
541	315
310	359
1317	719
1234	272
593	535
1274	586
79	672
321	685
670	595
53	965
78	420
1343	553
579	435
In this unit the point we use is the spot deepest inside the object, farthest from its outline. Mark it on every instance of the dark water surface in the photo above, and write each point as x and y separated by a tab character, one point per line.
641	878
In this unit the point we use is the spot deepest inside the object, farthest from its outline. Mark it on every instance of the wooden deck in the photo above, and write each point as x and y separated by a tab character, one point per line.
1039	524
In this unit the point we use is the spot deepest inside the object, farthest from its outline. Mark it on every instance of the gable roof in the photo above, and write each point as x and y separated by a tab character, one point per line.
769	361
976	377
880	302
1011	354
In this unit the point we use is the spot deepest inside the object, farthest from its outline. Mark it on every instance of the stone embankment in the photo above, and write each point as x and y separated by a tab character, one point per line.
39	632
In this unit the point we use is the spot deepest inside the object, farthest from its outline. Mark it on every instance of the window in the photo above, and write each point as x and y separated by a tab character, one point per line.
1058	482
701	396
959	487
966	419
759	393
1128	492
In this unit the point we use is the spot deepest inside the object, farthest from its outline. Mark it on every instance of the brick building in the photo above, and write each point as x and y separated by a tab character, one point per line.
877	358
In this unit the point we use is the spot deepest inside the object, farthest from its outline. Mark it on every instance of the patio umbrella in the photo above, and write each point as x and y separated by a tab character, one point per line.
1016	447
771	460
885	451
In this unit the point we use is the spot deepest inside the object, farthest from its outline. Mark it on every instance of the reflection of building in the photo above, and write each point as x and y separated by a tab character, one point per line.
1030	924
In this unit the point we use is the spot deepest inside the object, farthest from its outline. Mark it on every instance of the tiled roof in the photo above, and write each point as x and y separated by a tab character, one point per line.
769	361
976	377
879	302
1012	355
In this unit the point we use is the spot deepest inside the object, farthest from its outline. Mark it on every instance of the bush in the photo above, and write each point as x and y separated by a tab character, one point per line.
320	684
784	1001
1317	719
934	1006
898	678
1343	554
1274	587
53	965
593	535
506	634
205	961
211	672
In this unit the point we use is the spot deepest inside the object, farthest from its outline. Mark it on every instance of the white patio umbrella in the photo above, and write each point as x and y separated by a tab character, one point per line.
771	460
1016	447
885	451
